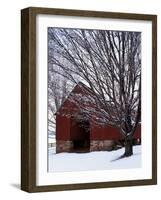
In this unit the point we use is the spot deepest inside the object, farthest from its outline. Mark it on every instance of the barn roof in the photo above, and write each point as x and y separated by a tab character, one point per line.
79	84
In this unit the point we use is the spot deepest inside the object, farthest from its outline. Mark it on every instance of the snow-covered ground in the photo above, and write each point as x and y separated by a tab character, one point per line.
98	160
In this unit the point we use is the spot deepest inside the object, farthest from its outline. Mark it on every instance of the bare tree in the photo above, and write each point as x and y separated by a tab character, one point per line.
109	64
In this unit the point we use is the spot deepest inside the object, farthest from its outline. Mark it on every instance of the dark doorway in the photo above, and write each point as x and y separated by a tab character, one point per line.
81	136
81	145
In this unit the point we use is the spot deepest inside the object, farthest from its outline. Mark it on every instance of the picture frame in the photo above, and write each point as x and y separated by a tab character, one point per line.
29	97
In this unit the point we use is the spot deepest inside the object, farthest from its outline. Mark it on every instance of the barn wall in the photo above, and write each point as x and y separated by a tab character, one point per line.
64	146
110	133
137	133
104	133
62	127
101	145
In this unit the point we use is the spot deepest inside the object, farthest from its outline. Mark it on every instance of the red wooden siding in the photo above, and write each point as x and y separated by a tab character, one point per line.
62	127
110	133
104	133
137	133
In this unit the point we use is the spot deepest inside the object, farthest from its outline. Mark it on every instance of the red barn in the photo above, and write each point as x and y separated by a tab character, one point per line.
73	135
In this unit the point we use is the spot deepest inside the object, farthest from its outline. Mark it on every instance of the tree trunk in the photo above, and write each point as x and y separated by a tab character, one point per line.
128	147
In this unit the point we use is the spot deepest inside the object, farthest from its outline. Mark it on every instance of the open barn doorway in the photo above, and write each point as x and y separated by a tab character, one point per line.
81	136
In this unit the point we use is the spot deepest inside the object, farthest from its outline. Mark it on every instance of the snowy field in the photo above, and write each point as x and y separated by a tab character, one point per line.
98	160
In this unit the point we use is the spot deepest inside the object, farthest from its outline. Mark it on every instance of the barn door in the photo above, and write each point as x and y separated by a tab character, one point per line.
81	136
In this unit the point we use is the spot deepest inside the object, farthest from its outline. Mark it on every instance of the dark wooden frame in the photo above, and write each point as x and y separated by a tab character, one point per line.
28	98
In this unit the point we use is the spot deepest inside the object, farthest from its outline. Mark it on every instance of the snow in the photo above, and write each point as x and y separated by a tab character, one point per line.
51	138
98	160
